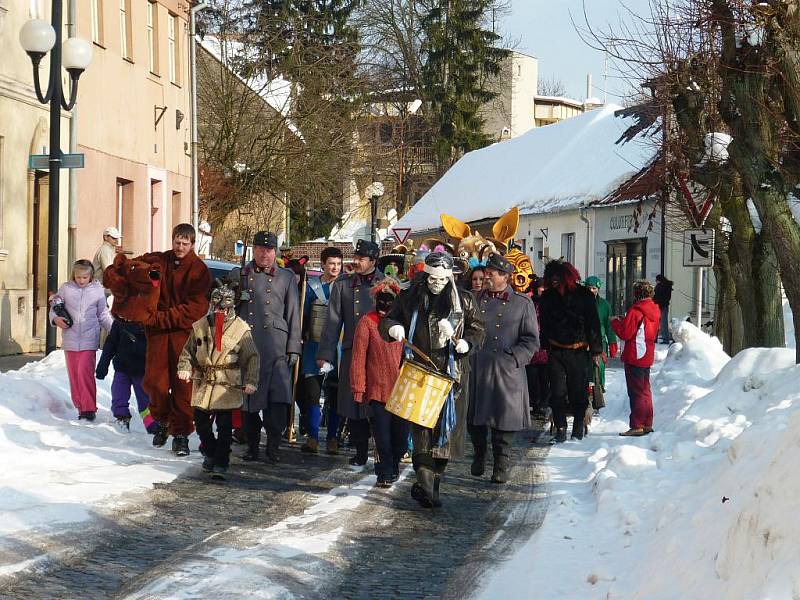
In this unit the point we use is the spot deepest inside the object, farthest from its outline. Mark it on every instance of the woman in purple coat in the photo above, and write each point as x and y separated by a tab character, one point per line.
79	309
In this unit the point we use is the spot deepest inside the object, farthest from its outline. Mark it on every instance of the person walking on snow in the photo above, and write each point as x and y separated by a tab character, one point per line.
499	392
126	347
373	372
662	297
269	303
444	323
350	301
598	374
84	301
639	330
571	333
221	361
315	309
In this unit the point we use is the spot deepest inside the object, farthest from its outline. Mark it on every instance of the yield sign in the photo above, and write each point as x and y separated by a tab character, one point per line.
401	233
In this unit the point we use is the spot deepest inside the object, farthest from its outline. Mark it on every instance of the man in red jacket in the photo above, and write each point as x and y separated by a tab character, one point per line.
185	281
639	330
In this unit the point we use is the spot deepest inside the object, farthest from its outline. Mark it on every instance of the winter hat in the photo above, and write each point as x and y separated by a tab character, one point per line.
387	285
593	281
642	289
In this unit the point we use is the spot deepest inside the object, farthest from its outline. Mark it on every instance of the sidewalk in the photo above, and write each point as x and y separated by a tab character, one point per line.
16	361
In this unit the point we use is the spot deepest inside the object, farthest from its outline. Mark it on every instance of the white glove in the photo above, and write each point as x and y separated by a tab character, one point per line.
462	347
185	375
325	368
446	329
397	332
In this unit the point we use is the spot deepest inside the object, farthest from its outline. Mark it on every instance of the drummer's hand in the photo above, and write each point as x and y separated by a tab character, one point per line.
185	375
249	389
462	347
325	367
446	328
397	332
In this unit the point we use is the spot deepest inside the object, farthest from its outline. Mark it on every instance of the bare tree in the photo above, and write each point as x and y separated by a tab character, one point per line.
552	86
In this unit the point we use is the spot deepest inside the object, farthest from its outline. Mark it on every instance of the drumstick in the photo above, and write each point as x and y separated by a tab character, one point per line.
420	353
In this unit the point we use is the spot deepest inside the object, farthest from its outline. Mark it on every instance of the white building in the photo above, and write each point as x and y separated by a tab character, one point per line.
584	194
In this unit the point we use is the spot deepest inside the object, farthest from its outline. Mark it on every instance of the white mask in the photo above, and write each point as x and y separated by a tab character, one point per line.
437	284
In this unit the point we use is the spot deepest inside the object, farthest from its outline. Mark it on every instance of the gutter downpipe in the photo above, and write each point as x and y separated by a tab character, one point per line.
195	139
583	210
72	202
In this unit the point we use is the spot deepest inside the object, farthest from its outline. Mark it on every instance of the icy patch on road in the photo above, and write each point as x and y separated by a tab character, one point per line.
267	563
702	508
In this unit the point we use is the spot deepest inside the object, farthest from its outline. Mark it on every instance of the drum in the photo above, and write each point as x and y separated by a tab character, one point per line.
419	394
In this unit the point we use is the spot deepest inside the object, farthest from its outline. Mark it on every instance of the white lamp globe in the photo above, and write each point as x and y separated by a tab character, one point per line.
76	54
375	189
37	36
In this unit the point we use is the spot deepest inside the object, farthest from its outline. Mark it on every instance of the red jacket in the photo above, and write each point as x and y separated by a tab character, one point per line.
639	329
375	363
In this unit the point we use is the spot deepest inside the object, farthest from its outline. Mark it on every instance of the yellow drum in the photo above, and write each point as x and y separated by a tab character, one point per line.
419	394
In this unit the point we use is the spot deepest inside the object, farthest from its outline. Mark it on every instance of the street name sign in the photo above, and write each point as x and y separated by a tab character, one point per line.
698	248
68	161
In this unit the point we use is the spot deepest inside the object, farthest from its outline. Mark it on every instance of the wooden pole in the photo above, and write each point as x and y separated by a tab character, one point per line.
296	374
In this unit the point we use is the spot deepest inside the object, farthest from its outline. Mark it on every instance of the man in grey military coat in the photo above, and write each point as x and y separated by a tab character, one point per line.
350	300
270	304
499	390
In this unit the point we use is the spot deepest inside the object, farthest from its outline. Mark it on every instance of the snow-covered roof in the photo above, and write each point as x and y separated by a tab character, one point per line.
277	92
558	100
574	162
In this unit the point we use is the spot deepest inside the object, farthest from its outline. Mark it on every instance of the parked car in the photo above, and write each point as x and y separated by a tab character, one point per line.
219	268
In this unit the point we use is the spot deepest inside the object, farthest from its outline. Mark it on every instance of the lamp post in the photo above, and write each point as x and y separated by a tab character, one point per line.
374	192
37	38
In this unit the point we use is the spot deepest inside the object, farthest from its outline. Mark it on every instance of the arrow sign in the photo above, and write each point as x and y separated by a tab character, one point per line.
698	248
401	233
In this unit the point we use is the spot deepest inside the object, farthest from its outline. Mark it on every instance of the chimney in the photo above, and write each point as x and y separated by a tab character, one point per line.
589	85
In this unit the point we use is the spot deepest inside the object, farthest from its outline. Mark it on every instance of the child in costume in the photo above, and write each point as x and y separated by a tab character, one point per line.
79	309
373	372
221	360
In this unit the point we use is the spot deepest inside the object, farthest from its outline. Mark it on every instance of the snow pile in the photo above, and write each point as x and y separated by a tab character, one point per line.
57	469
716	148
702	508
536	171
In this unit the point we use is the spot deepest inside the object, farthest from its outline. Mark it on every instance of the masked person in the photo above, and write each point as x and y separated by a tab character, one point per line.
221	361
350	300
571	333
499	397
444	323
315	310
269	303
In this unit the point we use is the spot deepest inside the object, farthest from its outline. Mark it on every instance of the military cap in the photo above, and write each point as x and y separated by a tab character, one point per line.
498	262
265	238
368	249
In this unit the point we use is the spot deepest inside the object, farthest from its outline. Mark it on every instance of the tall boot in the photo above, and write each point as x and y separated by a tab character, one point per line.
423	490
478	467
273	442
501	469
252	424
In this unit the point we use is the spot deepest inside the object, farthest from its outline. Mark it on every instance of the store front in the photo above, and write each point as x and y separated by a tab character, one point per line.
626	261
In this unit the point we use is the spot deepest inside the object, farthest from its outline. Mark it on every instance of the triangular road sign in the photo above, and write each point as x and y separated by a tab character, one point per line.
401	233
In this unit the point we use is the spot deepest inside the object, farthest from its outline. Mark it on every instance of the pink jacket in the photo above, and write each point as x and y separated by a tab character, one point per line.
89	311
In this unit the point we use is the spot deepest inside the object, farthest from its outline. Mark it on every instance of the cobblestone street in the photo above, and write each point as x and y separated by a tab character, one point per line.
386	547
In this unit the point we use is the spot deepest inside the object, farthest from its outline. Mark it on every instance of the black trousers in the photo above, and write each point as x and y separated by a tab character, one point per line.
391	440
538	386
359	435
273	419
569	383
219	447
501	442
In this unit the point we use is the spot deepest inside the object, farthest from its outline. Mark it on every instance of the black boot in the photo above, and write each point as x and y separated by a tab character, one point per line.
478	467
273	442
160	435
560	436
250	454
180	445
423	490
208	464
500	469
437	480
578	427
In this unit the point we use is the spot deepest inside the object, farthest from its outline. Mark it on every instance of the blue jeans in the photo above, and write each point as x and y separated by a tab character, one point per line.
391	440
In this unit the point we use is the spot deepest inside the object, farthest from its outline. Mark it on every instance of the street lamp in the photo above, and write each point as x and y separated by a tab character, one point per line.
37	38
374	192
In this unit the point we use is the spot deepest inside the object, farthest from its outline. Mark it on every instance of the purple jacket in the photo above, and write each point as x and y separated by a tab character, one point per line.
89	311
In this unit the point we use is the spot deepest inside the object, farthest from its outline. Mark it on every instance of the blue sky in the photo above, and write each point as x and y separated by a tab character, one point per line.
543	29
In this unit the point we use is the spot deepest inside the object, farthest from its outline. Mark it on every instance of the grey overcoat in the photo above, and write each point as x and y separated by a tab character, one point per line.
498	385
270	305
350	300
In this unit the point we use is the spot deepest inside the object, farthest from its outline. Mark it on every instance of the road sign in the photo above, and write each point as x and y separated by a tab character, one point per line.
68	161
238	247
698	248
401	233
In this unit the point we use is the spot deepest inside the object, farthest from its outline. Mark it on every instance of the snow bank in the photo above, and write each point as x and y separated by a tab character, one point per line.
702	508
57	469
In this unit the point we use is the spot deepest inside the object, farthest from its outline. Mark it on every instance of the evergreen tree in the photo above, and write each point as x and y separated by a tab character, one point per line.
460	58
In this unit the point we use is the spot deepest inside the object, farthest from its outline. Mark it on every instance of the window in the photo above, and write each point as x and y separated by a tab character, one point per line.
152	36
176	208
97	21
125	37
124	207
174	50
568	247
